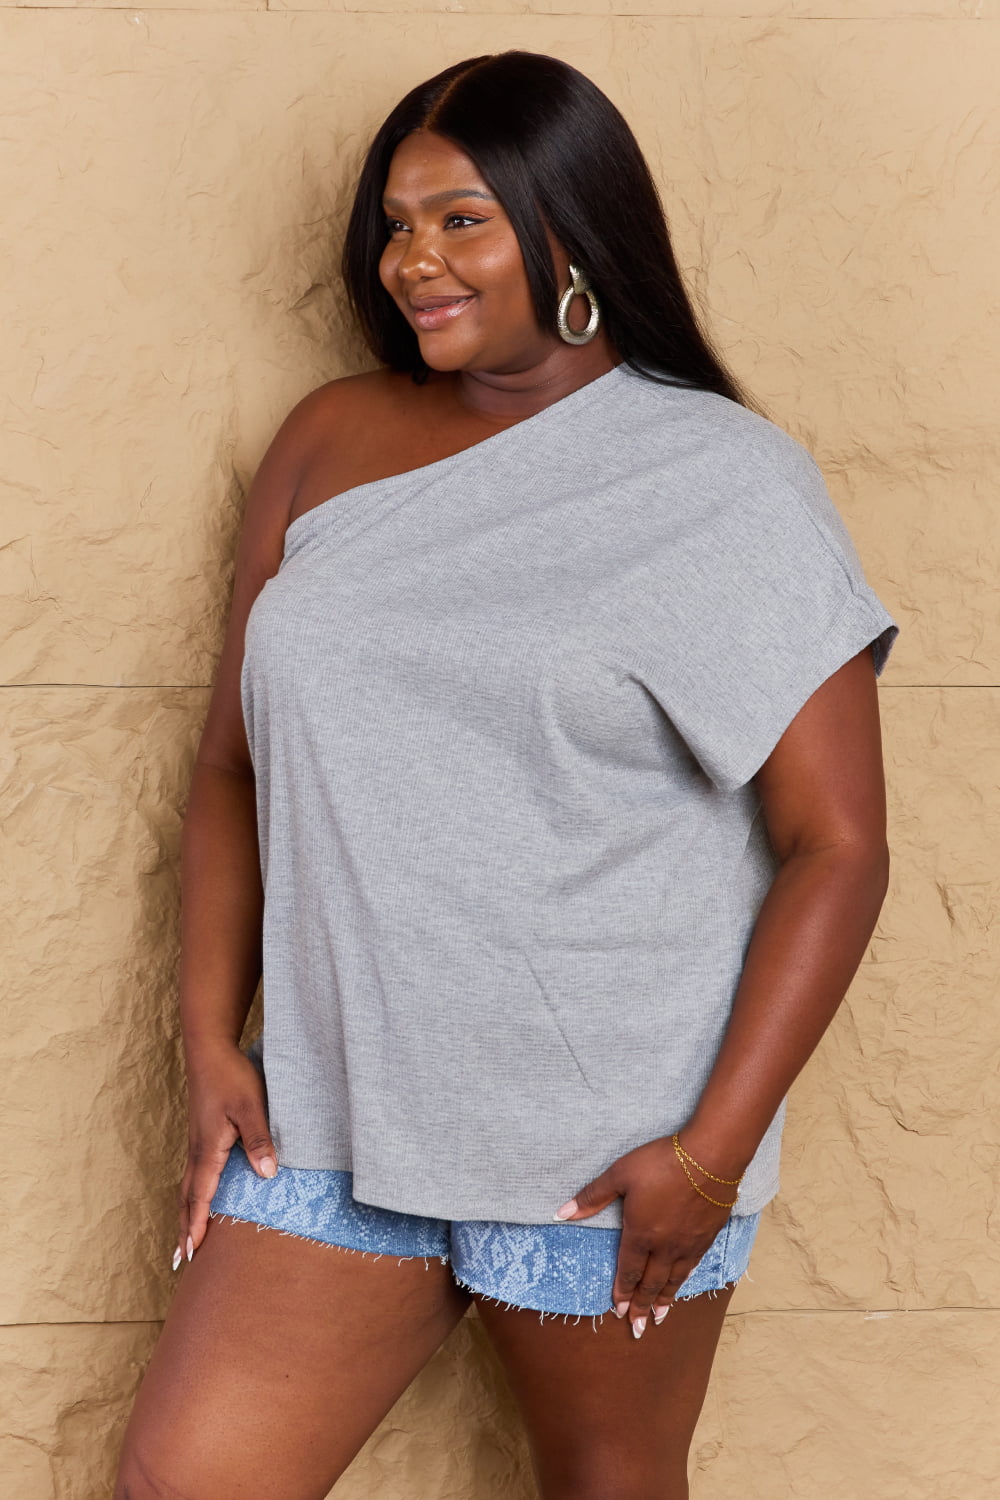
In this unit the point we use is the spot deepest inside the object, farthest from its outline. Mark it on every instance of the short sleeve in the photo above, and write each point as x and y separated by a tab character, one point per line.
758	605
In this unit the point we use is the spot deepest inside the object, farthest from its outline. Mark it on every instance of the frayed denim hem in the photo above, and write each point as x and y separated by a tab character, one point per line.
713	1291
329	1244
543	1312
596	1318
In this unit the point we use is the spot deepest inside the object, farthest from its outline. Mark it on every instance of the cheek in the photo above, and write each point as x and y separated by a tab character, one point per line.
503	275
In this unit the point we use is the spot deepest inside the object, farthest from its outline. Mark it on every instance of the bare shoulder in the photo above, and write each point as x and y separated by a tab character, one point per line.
339	404
362	428
325	430
339	434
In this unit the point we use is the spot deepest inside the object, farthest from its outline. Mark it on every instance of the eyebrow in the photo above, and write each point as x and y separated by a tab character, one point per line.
436	199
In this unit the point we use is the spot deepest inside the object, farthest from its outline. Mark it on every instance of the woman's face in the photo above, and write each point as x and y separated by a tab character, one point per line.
453	265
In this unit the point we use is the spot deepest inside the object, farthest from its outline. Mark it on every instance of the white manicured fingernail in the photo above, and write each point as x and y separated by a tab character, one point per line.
268	1166
567	1210
659	1314
178	1257
621	1308
639	1327
190	1247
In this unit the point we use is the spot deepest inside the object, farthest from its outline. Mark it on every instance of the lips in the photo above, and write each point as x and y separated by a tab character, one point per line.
424	304
435	312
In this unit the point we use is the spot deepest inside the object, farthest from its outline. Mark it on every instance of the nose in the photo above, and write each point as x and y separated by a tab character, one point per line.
418	260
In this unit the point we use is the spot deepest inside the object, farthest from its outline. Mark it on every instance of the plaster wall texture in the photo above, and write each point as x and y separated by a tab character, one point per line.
174	181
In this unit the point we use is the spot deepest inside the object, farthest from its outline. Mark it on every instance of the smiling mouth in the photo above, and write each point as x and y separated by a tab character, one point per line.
435	312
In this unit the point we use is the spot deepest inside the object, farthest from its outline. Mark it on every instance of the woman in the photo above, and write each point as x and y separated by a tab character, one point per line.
554	731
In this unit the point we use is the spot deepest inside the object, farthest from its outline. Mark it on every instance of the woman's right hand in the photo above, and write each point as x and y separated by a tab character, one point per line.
226	1103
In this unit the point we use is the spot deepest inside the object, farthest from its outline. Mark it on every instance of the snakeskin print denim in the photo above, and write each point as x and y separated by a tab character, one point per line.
566	1269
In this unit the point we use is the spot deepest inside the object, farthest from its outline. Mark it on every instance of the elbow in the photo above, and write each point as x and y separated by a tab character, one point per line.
884	866
866	867
860	865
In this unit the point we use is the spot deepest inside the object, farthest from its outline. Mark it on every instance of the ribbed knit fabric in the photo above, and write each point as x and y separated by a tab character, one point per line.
504	712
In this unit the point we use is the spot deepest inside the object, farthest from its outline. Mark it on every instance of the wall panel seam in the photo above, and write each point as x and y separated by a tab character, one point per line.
872	1314
261	7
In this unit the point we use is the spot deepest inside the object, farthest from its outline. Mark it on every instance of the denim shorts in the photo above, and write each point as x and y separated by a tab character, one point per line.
566	1269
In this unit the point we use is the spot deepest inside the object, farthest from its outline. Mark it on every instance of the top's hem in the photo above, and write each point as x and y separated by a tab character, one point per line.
609	1217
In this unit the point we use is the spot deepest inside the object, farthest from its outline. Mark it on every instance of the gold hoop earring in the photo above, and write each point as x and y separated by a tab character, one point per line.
579	286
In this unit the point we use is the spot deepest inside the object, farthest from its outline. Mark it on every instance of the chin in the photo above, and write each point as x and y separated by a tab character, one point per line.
442	363
445	360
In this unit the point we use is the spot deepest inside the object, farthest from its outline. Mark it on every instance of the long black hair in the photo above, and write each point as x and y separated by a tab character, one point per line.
556	152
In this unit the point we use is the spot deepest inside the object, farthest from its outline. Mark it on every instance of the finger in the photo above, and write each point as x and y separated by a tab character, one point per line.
251	1122
182	1219
248	1123
590	1199
655	1281
633	1254
664	1301
206	1167
654	1277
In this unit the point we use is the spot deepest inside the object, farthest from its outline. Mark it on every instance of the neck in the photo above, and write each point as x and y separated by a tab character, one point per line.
509	395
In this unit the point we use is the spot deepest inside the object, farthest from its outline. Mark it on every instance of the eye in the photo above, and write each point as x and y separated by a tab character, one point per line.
452	221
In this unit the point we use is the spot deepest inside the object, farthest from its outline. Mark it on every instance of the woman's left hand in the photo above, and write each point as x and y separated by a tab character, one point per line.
666	1227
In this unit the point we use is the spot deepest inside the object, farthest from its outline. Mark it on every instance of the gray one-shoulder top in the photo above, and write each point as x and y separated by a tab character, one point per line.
504	712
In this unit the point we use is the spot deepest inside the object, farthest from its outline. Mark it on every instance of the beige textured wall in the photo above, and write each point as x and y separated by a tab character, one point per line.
172	182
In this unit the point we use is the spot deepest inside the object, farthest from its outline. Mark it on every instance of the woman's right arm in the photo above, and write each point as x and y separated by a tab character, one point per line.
222	899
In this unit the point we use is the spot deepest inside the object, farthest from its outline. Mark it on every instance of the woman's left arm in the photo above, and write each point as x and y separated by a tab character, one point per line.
823	795
822	791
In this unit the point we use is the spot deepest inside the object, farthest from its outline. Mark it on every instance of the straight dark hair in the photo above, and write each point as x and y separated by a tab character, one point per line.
556	152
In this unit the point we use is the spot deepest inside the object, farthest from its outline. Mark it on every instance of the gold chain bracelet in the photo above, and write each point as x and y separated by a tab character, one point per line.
717	1201
726	1181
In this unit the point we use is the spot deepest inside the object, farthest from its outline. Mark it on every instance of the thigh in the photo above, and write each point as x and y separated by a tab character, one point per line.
608	1414
277	1360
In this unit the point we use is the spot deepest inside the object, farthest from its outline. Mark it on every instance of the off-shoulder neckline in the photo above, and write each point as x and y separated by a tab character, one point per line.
571	399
